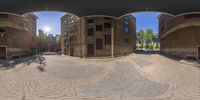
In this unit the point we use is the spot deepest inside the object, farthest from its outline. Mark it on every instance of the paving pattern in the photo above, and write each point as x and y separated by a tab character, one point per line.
126	78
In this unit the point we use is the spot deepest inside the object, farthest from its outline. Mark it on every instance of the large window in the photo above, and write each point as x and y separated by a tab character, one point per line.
99	28
99	44
90	21
126	21
90	32
107	38
107	25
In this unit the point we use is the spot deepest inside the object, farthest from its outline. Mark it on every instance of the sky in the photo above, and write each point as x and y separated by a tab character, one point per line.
145	20
50	21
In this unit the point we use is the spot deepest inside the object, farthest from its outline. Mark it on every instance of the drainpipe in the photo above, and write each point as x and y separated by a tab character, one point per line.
112	37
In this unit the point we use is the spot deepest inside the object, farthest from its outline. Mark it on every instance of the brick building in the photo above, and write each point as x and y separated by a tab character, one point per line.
17	35
92	36
50	43
180	36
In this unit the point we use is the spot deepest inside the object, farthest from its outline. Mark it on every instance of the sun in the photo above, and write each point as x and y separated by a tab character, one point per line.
47	29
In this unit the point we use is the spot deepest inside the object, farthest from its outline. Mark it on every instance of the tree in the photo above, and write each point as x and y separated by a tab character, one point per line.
41	39
58	39
58	42
141	34
149	36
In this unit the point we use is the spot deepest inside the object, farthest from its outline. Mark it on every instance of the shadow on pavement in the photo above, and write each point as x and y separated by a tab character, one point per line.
11	63
147	52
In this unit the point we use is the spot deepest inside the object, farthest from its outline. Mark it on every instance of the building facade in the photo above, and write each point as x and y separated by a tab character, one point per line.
17	35
180	36
92	36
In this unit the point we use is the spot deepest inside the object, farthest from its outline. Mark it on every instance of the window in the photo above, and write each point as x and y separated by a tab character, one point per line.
90	32
107	25
126	18
162	22
162	29
99	44
192	16
90	21
126	22
107	38
4	15
126	40
126	29
71	38
2	30
99	28
107	18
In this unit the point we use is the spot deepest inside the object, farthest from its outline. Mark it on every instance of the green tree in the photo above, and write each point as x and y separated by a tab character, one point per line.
41	39
58	39
141	34
149	36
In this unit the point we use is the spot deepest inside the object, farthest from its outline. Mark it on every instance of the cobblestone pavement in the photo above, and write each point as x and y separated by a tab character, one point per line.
135	77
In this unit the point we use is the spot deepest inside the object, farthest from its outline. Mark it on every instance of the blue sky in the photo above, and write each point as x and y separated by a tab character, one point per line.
51	20
144	20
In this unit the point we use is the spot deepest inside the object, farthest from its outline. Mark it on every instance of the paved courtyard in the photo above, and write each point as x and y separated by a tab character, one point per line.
135	77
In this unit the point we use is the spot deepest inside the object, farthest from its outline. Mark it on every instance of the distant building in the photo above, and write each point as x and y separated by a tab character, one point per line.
50	43
17	35
180	36
92	36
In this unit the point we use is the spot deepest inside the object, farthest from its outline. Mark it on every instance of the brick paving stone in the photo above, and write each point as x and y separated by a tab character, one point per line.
67	78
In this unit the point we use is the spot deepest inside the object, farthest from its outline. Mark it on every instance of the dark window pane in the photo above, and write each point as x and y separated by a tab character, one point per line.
2	30
71	38
99	44
126	22
90	21
126	29
126	40
107	18
126	18
107	25
107	38
162	29
90	32
99	28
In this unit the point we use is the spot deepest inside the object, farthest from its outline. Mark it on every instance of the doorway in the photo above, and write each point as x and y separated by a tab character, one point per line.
2	52
198	52
90	49
71	52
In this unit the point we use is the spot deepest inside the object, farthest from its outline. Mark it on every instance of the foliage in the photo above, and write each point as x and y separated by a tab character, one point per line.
149	36
58	39
41	39
147	39
141	34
